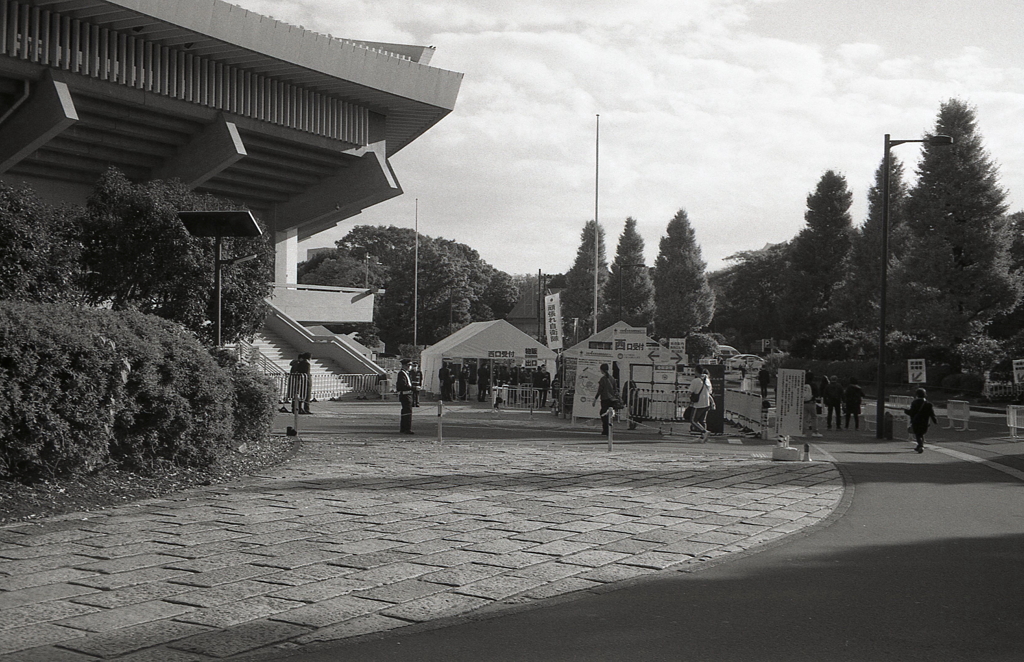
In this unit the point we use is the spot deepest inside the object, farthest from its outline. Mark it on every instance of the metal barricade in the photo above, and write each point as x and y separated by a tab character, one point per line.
658	403
748	412
897	405
1015	419
516	397
324	386
959	411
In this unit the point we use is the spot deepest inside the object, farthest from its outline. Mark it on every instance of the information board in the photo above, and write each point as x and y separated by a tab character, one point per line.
588	373
789	403
1018	371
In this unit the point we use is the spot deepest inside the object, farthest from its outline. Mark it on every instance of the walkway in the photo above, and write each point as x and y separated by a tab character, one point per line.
364	533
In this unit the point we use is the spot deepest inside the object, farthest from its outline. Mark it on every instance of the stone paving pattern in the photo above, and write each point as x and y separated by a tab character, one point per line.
350	538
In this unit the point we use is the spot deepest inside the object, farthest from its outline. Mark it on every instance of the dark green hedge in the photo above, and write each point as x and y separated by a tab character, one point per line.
81	388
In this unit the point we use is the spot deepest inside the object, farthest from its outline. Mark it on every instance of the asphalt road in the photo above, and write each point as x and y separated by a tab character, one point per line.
925	561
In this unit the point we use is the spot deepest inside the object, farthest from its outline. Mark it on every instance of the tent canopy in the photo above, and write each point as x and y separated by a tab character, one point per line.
496	340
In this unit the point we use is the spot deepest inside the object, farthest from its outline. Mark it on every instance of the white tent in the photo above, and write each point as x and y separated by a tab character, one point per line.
601	344
496	340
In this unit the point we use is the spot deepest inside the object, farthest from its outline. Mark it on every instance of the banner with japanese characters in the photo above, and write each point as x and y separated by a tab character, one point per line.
553	320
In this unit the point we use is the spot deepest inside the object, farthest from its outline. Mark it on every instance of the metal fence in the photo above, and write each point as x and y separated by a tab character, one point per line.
324	386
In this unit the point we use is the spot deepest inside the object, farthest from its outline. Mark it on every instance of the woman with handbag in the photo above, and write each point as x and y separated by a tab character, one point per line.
702	402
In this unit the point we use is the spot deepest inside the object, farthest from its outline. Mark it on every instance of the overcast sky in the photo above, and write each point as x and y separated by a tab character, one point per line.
729	109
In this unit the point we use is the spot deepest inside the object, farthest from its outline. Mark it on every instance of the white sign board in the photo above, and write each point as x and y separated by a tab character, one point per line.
678	347
553	320
1018	371
916	373
588	373
789	403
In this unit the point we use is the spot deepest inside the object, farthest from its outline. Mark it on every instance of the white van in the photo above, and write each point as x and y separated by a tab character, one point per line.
727	352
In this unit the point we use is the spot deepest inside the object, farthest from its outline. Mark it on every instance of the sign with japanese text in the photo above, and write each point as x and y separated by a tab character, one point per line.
553	320
588	373
916	373
789	403
1018	371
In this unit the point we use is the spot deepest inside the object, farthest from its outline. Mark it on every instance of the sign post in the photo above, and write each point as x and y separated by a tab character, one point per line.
1018	371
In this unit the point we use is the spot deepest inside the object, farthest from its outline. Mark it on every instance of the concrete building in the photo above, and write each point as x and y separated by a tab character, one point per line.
296	125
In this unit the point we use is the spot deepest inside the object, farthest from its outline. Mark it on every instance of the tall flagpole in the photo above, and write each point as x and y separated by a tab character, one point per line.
597	236
416	280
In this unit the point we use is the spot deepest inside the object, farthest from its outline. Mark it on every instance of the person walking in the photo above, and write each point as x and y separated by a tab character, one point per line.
764	380
921	413
405	389
606	394
832	395
853	396
416	377
702	403
810	407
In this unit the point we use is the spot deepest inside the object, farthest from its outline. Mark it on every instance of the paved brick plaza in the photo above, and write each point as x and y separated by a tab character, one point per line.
351	538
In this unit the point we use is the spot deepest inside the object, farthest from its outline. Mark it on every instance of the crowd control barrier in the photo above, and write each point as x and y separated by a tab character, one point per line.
518	397
1015	419
959	411
748	412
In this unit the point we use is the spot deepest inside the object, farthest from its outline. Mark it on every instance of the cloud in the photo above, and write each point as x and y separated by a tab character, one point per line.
705	105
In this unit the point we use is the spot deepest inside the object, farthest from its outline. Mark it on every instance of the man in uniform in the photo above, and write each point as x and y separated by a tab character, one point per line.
405	389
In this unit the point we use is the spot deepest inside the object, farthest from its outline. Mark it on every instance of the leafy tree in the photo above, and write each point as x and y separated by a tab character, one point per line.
629	292
683	299
456	287
956	274
752	289
39	249
578	295
700	346
818	257
139	256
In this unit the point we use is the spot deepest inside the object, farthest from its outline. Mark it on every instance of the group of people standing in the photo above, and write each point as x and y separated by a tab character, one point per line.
840	400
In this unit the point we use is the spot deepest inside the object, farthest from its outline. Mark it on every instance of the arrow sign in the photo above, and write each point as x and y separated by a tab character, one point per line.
916	373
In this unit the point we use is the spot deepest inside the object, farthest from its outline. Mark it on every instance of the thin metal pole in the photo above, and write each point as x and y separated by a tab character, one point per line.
216	287
597	236
880	405
416	280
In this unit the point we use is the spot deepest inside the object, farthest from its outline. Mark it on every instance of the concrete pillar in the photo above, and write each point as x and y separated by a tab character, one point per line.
286	256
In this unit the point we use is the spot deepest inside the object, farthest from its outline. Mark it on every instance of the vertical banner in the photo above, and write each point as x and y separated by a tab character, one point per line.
588	373
789	403
553	320
916	371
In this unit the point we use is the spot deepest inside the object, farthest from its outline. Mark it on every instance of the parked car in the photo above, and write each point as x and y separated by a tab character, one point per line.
751	362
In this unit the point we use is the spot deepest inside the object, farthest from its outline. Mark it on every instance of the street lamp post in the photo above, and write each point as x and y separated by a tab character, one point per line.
889	143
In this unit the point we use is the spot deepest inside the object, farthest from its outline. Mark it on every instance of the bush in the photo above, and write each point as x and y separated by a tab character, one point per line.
254	401
81	387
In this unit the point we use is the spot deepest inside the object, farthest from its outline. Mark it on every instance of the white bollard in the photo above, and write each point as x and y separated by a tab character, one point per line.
440	413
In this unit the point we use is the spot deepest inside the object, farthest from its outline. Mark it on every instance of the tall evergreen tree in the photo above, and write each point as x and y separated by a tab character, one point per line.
856	301
684	302
956	275
629	292
578	295
818	257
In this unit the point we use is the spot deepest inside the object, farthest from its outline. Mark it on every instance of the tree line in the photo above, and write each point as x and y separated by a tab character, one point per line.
956	259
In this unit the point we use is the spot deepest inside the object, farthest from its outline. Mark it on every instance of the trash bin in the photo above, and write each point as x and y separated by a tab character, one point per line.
887	423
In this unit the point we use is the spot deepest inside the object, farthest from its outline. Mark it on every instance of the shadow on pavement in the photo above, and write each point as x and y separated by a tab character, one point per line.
948	599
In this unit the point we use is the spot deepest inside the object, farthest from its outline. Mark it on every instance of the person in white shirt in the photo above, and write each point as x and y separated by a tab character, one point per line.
701	386
810	407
